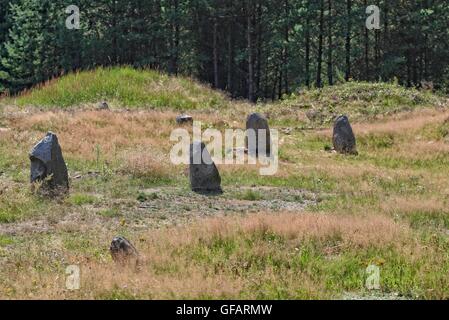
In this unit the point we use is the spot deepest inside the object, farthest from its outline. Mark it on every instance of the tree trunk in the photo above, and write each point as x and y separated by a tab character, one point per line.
230	60
177	38
319	83
174	38
250	56
259	51
307	34
348	39
215	49
386	37
367	70
426	55
287	40
409	71
330	68
377	54
115	57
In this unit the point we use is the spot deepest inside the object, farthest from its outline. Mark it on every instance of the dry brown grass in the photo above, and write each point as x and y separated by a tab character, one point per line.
414	204
146	163
80	132
167	269
398	124
354	231
112	131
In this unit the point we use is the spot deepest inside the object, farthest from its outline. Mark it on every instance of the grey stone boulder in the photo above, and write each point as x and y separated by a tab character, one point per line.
122	251
103	106
262	143
343	137
204	175
183	119
48	166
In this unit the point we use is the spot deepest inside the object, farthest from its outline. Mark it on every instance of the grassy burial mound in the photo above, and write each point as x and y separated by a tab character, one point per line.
309	231
362	101
123	87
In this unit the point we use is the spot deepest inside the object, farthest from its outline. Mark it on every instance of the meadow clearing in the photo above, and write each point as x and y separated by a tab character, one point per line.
307	232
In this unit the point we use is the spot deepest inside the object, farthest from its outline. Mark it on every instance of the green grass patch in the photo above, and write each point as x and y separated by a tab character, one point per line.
439	132
376	141
110	213
249	255
143	197
6	240
428	218
318	181
80	199
18	203
250	195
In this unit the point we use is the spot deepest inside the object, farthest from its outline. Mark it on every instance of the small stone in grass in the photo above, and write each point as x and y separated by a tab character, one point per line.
183	119
122	251
103	106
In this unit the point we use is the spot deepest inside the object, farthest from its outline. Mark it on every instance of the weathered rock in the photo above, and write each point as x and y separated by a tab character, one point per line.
48	166
262	144
103	106
343	136
122	251
313	115
204	175
183	119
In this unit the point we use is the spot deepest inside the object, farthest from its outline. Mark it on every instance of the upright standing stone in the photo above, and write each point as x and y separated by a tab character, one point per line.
343	136
48	165
204	175
257	126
